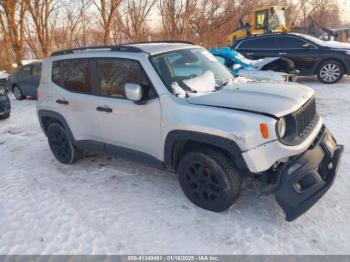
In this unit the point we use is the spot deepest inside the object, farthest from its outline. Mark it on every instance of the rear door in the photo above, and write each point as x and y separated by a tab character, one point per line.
126	124
34	79
75	99
259	47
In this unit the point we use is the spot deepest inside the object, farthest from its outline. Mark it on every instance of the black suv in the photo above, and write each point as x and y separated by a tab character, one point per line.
329	60
5	106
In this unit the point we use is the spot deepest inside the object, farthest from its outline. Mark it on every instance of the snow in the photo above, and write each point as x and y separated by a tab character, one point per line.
105	206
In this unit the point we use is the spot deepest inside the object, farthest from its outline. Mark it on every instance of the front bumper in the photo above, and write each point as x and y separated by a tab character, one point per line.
305	179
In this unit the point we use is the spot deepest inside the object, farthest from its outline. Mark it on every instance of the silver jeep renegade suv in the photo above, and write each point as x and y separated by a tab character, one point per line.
172	105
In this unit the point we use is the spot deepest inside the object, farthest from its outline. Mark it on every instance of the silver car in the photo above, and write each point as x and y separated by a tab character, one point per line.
172	105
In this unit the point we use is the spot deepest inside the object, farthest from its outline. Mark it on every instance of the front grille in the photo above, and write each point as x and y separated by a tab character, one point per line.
305	116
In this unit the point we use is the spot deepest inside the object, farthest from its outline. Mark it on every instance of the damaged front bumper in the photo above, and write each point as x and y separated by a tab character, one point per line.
306	178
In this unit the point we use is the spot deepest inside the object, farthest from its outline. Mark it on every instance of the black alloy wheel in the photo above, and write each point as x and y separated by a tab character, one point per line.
209	179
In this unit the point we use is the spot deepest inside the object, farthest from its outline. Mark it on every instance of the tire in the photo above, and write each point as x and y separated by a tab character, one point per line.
330	72
61	145
209	179
18	92
5	116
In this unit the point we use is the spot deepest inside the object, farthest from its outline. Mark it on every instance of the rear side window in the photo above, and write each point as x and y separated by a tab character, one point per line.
26	71
36	71
259	43
73	75
114	73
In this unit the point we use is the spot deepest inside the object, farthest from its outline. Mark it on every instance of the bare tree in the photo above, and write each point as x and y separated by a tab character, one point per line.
44	14
176	17
73	32
107	10
12	17
133	21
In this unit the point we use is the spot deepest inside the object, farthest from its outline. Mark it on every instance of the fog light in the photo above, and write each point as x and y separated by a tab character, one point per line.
298	186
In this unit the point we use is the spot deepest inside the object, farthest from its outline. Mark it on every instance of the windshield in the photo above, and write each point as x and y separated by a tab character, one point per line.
191	71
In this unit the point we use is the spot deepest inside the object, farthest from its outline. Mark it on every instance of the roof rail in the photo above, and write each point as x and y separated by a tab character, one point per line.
124	48
163	41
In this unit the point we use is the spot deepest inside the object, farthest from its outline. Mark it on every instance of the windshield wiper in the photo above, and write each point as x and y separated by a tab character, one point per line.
218	87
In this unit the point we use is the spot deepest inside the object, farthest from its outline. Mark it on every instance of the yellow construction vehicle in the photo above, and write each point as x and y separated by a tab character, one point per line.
264	19
271	19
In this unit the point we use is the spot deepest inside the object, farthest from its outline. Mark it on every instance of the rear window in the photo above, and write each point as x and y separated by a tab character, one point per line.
73	75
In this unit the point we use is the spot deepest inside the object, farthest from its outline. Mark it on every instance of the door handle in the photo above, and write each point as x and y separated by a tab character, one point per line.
104	109
282	53
62	102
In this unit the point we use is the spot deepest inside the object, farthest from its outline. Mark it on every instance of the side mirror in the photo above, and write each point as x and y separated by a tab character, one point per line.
133	92
307	46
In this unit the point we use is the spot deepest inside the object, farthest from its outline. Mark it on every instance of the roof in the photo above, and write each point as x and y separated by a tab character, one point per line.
150	48
153	48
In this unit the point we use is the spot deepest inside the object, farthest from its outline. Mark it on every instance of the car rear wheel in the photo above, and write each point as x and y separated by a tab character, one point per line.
209	179
61	144
330	72
18	93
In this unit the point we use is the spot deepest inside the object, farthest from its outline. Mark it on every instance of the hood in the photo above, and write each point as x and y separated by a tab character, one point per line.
277	99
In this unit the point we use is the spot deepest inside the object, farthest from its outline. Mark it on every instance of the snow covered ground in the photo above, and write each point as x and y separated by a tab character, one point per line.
105	206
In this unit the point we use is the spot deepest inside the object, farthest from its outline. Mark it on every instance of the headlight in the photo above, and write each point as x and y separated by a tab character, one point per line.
281	127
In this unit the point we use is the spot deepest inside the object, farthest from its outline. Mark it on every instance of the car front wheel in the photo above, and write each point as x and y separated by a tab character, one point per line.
5	116
330	72
18	93
61	145
209	179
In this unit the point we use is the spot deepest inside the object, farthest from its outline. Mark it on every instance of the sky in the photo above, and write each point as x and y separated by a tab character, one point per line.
345	7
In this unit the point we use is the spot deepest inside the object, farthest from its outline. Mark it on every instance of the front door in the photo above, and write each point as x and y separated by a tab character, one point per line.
303	54
128	127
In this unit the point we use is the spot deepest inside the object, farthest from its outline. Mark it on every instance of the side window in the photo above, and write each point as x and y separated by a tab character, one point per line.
72	74
259	43
113	74
290	42
26	71
36	70
261	19
76	75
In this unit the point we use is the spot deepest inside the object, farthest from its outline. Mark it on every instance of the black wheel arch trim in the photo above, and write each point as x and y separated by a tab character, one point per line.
176	140
56	116
100	147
